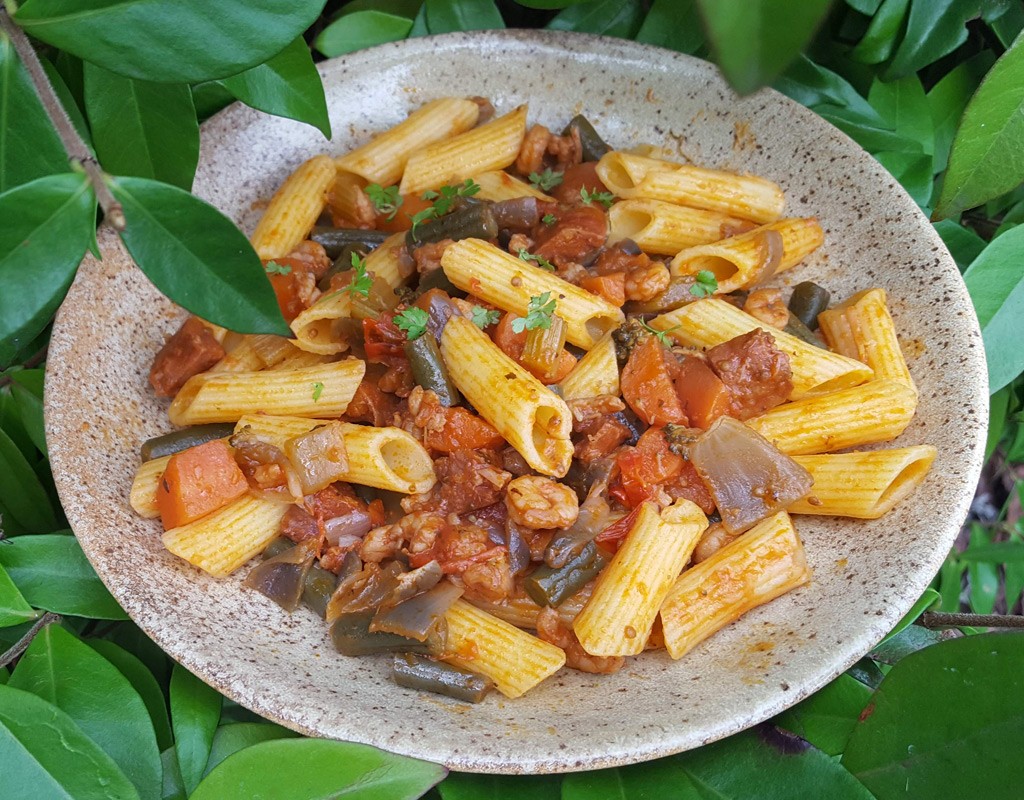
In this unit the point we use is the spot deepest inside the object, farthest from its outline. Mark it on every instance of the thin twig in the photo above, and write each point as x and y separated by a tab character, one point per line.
76	148
37	359
939	619
26	640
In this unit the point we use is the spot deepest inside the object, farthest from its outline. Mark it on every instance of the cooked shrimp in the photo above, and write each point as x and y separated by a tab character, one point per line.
551	629
767	306
536	502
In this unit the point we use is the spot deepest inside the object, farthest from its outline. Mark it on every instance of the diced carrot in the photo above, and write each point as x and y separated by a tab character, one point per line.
703	395
611	287
412	204
287	290
463	430
647	384
513	344
198	481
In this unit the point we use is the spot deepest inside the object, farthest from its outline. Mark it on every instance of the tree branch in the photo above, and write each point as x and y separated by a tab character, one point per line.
26	640
938	619
76	148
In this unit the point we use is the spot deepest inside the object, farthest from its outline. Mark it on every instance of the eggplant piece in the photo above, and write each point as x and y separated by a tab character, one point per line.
333	240
807	301
593	146
277	546
470	221
174	442
428	675
317	589
282	578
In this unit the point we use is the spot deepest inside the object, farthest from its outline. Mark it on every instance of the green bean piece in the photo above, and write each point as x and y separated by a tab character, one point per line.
334	239
436	279
551	586
176	441
277	546
469	221
796	328
427	675
594	147
429	370
807	301
282	577
318	588
351	636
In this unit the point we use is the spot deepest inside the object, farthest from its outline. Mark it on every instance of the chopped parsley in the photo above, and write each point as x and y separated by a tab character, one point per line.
540	261
318	389
443	199
549	219
661	336
538	314
361	281
386	201
546	180
604	198
482	317
706	284
273	268
413	321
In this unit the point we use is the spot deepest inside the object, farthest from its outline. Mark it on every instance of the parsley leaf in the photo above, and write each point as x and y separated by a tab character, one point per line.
413	321
604	198
386	201
443	199
661	336
361	282
540	261
538	314
318	389
706	284
549	219
546	180
482	317
273	268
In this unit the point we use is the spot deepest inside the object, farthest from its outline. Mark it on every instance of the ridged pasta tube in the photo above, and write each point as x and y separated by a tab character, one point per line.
595	374
142	497
666	228
498	185
294	208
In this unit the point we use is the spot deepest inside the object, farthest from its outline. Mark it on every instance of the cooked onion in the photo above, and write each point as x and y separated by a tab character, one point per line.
282	577
771	247
348	529
417	617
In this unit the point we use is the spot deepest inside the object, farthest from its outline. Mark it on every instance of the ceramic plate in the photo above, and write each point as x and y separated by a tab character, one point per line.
866	575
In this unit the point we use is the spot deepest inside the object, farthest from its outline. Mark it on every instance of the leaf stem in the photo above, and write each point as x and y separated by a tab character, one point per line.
76	148
23	643
939	619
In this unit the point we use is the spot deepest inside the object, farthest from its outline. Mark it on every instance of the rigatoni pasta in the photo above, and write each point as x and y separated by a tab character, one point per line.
294	209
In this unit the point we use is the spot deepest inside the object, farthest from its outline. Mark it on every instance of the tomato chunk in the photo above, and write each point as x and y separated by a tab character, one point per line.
463	430
198	481
642	469
647	384
704	396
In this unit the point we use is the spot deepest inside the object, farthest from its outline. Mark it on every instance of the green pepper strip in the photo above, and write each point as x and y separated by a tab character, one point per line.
351	636
471	221
550	586
428	369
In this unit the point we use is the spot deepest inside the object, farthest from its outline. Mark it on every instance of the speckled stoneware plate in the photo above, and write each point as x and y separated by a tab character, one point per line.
866	574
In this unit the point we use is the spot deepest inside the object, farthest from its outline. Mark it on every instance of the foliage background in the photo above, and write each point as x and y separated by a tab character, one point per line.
934	89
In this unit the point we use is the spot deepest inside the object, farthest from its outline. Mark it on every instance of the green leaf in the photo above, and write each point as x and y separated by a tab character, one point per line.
995	553
52	572
948	98
4	676
361	29
12	424
907	641
287	85
143	682
173	788
304	769
963	243
23	494
882	34
46	755
996	285
197	257
402	8
27	390
998	406
1006	20
195	710
674	24
444	16
621	18
1014	582
130	637
755	40
929	598
229	739
765	764
47	226
913	171
950	579
68	673
14	610
866	131
470	786
827	718
866	7
935	28
904	106
945	722
987	156
813	86
551	4
982	577
182	42
29	145
142	128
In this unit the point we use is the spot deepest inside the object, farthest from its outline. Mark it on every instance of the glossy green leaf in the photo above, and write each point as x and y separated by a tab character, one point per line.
987	156
131	37
11	423
444	16
1013	575
308	769
229	739
938	727
1006	20
143	682
195	710
621	18
197	257
948	98
45	755
982	576
22	493
53	573
550	4
403	8
995	553
361	29
949	583
4	676
130	637
27	390
47	226
14	610
813	85
826	718
996	285
904	106
29	146
935	28
866	131
142	128
419	23
765	764
287	85
907	641
882	34
998	405
930	597
963	243
674	24
866	7
209	98
173	788
68	673
755	40
470	786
